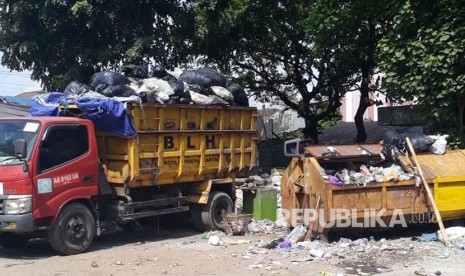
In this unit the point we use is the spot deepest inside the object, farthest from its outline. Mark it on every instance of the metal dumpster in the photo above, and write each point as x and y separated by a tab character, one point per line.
405	202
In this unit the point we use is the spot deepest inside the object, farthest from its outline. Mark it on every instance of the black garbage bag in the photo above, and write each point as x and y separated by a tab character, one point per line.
392	137
420	142
185	98
390	153
195	88
195	78
216	79
140	71
240	97
148	97
173	100
118	91
169	77
143	97
100	87
178	87
158	71
108	78
76	88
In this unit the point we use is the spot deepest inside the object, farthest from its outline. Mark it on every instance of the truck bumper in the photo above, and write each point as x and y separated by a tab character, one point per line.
16	223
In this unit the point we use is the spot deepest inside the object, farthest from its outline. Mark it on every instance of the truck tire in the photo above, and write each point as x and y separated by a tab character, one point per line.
11	240
73	230
196	217
219	203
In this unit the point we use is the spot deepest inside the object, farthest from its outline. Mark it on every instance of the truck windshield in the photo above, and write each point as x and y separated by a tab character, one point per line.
11	130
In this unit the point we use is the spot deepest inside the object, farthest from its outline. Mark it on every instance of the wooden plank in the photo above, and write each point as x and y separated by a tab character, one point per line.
452	163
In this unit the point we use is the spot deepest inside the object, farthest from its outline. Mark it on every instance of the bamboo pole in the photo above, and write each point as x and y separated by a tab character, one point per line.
428	192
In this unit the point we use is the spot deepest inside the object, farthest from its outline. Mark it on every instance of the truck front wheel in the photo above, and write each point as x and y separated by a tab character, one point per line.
219	204
73	230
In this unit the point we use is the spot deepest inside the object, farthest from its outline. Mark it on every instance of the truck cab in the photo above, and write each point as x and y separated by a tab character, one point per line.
45	163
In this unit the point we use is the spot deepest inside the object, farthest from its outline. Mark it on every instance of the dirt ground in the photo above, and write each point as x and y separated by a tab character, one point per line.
175	251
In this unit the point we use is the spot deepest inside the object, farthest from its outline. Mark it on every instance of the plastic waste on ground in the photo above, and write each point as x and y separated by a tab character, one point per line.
454	233
297	234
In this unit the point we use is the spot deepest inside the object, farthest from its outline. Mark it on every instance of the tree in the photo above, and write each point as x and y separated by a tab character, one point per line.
423	57
353	28
264	44
61	40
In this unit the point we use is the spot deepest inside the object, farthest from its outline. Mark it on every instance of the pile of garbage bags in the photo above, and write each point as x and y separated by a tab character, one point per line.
203	86
394	142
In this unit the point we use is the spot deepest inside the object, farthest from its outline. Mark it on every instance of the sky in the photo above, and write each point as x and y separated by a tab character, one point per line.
13	83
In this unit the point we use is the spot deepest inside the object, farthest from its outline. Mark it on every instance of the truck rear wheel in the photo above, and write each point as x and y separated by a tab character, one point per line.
73	230
11	240
219	204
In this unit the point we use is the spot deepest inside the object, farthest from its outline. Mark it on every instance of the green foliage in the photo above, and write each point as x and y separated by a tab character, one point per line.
288	135
352	28
63	40
454	142
267	46
331	121
423	57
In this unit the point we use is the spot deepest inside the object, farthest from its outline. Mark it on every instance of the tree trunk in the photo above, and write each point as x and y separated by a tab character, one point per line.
361	133
311	128
366	68
362	107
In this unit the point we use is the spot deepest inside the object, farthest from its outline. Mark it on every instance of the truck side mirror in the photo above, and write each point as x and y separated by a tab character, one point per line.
20	148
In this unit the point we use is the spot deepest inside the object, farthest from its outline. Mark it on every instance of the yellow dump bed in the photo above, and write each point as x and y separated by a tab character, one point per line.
181	143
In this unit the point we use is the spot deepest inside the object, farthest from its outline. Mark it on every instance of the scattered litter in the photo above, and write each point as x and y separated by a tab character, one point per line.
285	244
188	242
261	226
94	264
316	253
235	242
297	234
119	262
453	233
421	272
215	241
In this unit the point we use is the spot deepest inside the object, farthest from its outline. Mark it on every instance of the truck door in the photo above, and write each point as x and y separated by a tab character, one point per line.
67	168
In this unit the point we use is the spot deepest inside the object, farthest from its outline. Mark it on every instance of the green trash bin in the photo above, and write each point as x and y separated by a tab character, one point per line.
262	203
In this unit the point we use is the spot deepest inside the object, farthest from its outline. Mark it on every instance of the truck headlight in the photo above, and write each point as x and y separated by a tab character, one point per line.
17	206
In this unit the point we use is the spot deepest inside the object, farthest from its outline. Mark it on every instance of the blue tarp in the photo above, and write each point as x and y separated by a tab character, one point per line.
108	115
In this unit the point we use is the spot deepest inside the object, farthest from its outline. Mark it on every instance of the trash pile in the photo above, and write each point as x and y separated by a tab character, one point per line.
366	175
203	86
394	142
364	256
456	235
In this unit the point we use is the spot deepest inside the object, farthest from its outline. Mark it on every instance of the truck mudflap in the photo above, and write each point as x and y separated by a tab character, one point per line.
17	223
